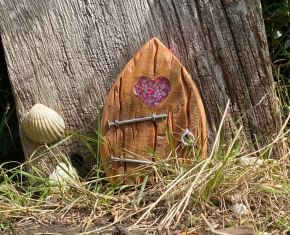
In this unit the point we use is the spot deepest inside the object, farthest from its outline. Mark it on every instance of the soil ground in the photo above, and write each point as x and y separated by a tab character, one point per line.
38	229
36	226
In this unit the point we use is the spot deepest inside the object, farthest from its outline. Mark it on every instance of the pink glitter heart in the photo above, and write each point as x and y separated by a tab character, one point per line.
152	92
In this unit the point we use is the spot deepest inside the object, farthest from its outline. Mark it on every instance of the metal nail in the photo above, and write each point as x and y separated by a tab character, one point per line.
152	118
136	161
130	160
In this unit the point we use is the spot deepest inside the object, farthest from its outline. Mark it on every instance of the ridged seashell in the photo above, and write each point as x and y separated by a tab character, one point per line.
240	209
43	125
63	172
62	175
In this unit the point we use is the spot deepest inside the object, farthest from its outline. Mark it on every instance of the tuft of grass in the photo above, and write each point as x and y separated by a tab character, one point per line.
229	188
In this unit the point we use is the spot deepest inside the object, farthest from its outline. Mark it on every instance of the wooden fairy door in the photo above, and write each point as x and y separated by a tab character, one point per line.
153	114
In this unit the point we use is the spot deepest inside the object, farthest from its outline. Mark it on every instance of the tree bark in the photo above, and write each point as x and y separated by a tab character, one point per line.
67	54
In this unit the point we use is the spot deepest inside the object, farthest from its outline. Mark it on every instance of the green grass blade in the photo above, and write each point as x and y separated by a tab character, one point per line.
142	190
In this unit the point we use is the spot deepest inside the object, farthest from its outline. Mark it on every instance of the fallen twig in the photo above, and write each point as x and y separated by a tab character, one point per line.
212	229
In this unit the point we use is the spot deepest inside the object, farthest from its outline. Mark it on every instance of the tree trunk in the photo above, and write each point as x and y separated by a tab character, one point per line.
67	54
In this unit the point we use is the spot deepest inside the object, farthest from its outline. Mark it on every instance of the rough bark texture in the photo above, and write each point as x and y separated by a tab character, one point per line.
66	54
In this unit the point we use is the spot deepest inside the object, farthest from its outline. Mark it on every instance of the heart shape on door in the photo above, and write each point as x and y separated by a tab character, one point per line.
152	91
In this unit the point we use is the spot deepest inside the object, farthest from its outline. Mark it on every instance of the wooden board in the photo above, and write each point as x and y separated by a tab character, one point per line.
67	54
153	81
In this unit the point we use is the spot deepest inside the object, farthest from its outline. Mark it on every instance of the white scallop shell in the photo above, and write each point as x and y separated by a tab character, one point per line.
43	125
240	209
63	175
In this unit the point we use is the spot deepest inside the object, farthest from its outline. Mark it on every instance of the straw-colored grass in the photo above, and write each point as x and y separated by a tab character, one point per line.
232	187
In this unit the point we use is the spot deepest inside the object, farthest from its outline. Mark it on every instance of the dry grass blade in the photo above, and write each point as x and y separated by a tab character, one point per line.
178	181
212	229
225	187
